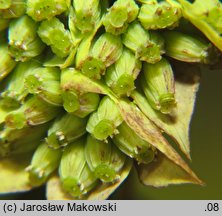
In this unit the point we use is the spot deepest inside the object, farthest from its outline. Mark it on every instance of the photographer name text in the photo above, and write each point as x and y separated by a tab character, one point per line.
67	207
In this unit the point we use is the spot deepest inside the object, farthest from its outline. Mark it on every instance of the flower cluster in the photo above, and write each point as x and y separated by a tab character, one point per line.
88	87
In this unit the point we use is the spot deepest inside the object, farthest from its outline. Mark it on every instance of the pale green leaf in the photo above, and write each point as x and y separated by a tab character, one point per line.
84	84
13	176
162	172
148	131
54	190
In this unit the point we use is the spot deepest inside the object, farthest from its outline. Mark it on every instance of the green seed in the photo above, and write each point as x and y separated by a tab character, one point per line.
136	37
120	15
158	85
45	82
53	33
76	177
24	42
120	76
104	159
14	93
159	15
76	33
64	130
154	53
74	81
40	9
88	103
7	63
188	48
132	145
12	141
76	101
33	112
107	48
93	68
44	162
102	53
103	123
87	14
70	95
70	101
148	46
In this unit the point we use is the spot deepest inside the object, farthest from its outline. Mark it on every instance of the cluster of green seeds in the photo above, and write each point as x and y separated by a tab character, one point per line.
50	53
